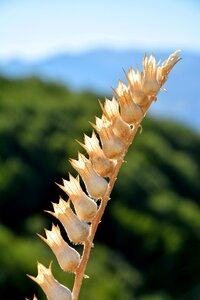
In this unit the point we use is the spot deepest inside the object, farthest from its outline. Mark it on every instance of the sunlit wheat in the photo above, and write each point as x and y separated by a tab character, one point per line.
81	214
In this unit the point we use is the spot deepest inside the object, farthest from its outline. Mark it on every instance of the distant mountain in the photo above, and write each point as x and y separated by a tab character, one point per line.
98	70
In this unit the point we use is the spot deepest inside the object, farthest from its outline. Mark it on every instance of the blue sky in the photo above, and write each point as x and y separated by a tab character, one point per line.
36	28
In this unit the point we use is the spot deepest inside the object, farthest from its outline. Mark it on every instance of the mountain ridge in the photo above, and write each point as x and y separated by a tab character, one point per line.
99	70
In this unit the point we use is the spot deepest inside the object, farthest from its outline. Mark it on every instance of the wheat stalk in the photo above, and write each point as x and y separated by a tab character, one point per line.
116	130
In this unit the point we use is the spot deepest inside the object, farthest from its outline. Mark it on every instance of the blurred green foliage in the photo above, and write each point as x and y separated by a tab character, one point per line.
148	244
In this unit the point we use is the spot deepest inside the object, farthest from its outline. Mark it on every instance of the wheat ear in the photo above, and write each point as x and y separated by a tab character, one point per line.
116	130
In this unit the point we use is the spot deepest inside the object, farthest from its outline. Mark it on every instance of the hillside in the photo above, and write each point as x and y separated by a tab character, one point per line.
148	244
98	70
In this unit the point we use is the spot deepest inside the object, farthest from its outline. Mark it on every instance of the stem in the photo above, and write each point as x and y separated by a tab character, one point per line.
79	274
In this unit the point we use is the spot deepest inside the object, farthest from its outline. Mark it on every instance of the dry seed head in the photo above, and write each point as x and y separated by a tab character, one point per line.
110	109
150	84
92	145
96	185
131	113
112	145
103	122
102	165
166	67
119	127
68	258
135	88
121	89
84	206
134	101
76	229
51	287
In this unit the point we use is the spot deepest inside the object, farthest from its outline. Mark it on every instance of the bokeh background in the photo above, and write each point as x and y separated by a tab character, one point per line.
56	59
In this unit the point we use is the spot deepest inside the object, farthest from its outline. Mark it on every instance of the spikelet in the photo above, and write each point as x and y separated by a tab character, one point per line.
102	165
96	185
116	129
111	111
112	145
150	84
135	87
52	288
76	229
84	206
68	258
166	67
131	112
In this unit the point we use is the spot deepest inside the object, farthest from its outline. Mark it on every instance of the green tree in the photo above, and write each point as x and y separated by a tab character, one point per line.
149	238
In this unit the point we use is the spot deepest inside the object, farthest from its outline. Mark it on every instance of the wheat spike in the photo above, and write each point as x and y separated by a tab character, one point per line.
116	130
